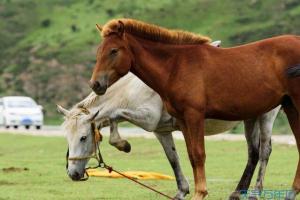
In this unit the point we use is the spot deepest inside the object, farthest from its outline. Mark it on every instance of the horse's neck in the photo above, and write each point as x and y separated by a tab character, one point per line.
116	97
150	63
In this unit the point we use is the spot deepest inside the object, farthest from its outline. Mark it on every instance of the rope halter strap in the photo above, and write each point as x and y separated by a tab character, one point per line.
96	138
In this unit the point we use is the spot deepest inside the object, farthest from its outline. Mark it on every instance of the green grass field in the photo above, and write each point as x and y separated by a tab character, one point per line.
47	178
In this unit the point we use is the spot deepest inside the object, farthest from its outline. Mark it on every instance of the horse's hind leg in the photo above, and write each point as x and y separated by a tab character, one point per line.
252	133
167	142
266	122
292	113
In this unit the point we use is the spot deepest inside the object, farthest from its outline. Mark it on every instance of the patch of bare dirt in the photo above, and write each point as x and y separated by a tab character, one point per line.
6	183
14	169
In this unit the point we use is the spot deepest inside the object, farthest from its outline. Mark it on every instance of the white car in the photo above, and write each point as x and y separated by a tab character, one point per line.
18	111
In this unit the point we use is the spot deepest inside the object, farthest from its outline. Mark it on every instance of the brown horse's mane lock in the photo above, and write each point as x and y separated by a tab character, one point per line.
154	32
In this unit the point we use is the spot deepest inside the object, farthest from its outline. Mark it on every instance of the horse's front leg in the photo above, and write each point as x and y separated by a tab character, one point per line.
167	142
193	131
144	118
115	138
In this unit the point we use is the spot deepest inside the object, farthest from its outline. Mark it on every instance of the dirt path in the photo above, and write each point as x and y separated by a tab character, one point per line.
126	132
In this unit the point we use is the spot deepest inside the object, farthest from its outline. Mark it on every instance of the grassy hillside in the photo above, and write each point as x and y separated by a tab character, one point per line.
47	48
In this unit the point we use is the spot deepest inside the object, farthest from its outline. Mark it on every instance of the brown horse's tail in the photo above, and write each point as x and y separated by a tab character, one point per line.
293	71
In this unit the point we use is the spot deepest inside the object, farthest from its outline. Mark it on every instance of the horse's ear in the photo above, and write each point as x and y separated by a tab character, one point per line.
121	28
62	110
99	28
93	116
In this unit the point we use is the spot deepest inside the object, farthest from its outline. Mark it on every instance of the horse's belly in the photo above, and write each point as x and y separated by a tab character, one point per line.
230	105
214	126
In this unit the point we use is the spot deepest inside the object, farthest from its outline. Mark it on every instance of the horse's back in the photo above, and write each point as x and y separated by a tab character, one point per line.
281	40
234	78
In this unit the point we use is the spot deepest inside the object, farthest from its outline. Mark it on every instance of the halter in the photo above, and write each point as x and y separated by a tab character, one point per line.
97	137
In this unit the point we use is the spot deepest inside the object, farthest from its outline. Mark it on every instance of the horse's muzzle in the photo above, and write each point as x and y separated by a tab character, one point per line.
97	87
75	176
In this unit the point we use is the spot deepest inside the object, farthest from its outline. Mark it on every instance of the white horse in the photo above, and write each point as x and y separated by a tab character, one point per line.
131	100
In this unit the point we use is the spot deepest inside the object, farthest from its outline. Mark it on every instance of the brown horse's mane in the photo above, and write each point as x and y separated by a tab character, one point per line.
154	32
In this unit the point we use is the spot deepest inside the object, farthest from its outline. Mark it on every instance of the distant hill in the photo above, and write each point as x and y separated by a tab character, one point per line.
48	47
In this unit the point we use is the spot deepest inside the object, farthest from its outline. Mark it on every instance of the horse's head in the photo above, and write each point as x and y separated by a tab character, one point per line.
80	133
114	59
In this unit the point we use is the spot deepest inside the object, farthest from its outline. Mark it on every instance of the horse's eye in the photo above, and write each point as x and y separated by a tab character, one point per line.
114	51
83	138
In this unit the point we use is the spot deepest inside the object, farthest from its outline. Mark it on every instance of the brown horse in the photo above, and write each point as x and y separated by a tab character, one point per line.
198	81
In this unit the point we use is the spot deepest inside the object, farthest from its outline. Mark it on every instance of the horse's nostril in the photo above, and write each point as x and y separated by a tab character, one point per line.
94	84
75	176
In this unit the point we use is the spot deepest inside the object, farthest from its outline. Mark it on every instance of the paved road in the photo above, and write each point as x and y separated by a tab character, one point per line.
138	132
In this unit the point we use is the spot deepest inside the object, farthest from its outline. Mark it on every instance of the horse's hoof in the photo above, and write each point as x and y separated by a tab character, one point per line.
122	146
291	195
234	196
183	190
288	198
200	195
180	195
252	198
127	147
